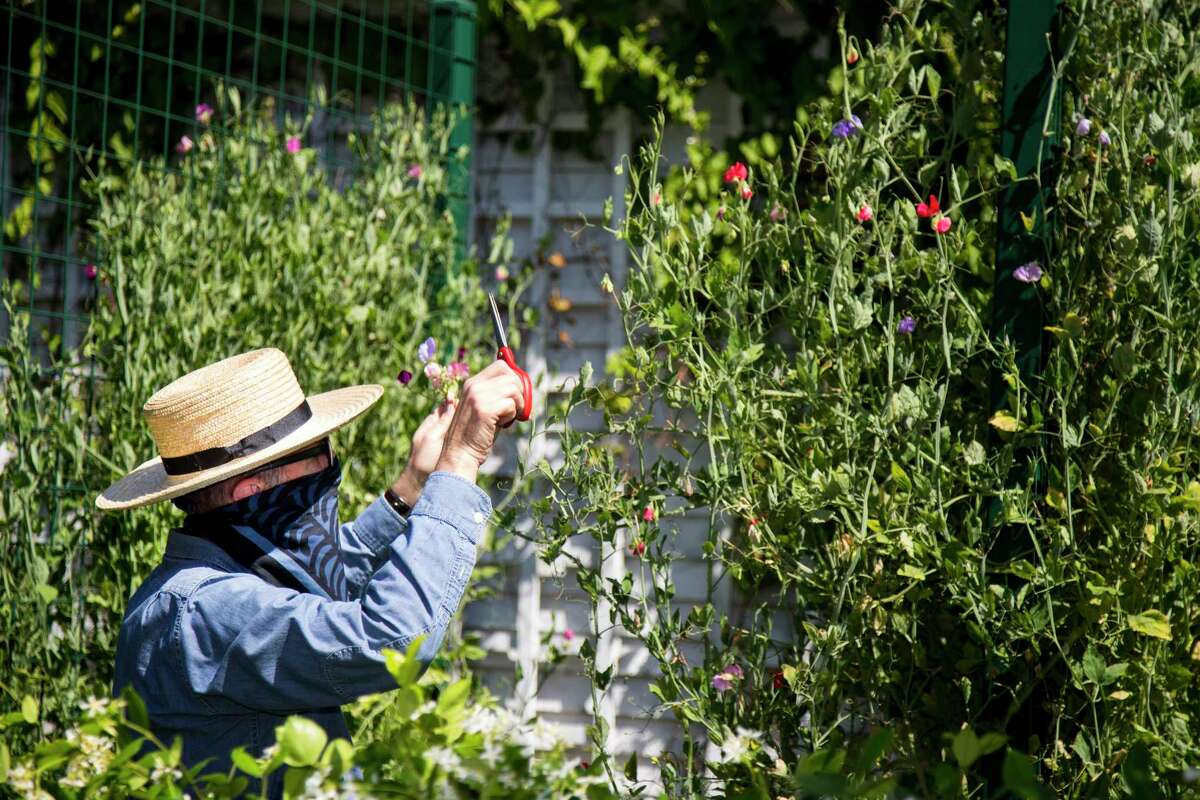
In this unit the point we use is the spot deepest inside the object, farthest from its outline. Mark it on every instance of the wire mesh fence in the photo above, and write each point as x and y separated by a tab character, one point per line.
93	81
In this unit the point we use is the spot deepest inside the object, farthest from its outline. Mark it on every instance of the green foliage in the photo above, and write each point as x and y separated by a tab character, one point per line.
441	738
896	569
244	245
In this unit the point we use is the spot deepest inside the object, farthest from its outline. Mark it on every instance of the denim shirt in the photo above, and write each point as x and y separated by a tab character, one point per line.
221	657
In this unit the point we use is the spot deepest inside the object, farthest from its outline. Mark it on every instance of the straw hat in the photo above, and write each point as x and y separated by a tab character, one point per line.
227	418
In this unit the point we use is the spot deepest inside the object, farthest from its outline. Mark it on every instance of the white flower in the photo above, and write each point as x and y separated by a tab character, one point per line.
736	746
492	753
164	771
446	759
94	706
21	779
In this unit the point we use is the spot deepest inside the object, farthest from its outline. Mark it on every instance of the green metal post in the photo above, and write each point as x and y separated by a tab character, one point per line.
1029	136
452	82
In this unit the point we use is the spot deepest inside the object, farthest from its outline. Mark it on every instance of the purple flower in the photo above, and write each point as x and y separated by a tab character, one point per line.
204	113
427	350
723	681
906	325
404	377
1104	140
845	128
1083	126
90	271
1028	273
462	354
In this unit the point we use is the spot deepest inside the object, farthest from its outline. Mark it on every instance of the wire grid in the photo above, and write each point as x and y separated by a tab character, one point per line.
122	80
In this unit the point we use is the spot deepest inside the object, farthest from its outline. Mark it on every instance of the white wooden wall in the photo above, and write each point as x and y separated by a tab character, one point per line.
546	191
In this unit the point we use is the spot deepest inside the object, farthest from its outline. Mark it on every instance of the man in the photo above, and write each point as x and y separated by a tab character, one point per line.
263	605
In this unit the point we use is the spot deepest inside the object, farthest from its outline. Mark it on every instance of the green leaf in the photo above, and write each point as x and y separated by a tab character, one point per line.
29	709
5	761
1019	777
300	741
934	80
911	571
631	766
1005	422
453	695
1151	623
48	593
966	748
1138	773
245	762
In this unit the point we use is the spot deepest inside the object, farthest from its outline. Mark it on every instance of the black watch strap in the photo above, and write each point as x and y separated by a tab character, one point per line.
397	502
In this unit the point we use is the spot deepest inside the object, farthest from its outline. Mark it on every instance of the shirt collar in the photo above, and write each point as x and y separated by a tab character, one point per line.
193	548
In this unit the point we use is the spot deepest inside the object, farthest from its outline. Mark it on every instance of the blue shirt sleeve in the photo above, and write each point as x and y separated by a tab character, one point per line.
364	543
274	649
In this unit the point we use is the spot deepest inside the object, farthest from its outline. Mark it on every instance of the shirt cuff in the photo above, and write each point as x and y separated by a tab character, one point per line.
455	501
379	524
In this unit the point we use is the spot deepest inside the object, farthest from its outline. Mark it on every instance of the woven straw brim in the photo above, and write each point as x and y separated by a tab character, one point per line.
149	483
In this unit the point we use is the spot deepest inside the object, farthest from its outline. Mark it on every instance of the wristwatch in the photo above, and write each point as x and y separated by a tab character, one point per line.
397	502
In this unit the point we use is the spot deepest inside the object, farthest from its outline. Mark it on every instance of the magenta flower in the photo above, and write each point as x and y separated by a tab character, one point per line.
427	350
568	634
462	354
1105	141
723	681
865	214
1028	273
941	224
293	144
404	377
501	273
720	212
414	171
90	272
906	326
736	173
458	369
204	113
185	144
648	514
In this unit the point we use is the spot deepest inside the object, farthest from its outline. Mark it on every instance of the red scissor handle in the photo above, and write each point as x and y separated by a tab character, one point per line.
506	355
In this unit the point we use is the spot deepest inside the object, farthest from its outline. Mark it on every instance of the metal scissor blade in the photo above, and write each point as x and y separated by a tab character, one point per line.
501	339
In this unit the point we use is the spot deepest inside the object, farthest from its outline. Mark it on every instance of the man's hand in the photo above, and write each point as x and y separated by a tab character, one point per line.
489	399
424	454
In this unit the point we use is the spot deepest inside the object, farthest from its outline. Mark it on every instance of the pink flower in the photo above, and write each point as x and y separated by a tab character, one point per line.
568	634
777	213
656	199
736	173
723	681
927	210
414	171
185	144
204	113
648	514
852	57
865	214
293	144
433	371
458	369
638	548
747	192
90	272
720	212
941	224
501	273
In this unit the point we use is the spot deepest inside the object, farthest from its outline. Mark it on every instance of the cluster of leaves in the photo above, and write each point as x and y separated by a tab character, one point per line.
237	244
810	364
433	737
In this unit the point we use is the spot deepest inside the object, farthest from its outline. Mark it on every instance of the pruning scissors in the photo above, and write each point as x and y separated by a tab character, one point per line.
505	354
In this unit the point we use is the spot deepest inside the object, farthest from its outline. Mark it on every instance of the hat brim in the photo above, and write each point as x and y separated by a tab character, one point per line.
150	483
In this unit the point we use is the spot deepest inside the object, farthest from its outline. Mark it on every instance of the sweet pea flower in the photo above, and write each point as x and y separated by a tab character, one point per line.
777	679
1105	141
462	353
433	371
906	326
927	210
501	273
458	369
845	128
747	192
736	173
427	349
1028	273
185	144
404	377
568	634
656	199
720	212
777	213
638	548
293	144
865	214
941	224
852	57
648	514
1083	126
90	271
204	113
723	681
414	171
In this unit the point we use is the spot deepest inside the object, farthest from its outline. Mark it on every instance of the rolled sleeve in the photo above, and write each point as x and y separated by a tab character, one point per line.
455	501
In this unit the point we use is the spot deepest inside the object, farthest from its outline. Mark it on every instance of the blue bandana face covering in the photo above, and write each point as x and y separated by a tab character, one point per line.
288	535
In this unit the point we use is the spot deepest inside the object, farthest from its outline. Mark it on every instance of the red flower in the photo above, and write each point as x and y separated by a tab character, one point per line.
585	764
638	548
777	679
648	514
852	56
736	173
747	192
927	210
